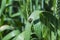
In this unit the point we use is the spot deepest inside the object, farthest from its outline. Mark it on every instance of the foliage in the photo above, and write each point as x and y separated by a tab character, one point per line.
29	19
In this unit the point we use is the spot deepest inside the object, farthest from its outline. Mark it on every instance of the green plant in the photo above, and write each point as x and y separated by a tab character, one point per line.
29	20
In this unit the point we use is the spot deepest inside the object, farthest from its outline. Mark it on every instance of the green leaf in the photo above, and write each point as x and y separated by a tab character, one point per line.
10	8
35	15
5	27
20	36
16	14
53	37
28	31
11	35
38	29
2	6
59	32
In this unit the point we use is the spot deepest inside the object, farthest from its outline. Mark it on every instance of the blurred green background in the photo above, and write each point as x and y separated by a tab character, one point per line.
29	19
